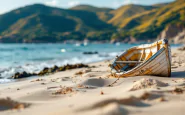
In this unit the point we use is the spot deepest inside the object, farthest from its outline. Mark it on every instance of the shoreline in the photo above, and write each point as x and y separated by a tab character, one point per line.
96	61
37	76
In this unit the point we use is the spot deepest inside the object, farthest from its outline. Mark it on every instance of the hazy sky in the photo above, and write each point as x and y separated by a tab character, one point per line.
7	5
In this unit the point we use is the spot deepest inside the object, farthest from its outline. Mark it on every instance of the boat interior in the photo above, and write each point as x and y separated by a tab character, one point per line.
135	56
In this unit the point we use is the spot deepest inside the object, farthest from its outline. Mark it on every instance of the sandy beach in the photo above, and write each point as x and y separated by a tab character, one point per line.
90	91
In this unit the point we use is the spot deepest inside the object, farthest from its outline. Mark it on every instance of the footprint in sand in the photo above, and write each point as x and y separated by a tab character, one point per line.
58	80
66	78
96	82
113	109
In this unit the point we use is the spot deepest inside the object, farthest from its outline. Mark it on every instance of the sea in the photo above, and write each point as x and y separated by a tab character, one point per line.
34	57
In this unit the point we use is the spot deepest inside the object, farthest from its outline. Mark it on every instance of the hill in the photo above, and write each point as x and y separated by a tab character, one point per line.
149	24
103	13
91	8
121	14
40	23
160	5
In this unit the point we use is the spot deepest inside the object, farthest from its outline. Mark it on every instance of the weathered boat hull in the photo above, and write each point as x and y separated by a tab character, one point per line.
157	64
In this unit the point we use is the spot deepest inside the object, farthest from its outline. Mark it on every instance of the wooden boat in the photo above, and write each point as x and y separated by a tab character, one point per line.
148	59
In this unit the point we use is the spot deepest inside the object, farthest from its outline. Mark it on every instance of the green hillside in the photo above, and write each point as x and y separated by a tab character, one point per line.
160	5
46	24
40	23
121	14
103	13
91	8
149	24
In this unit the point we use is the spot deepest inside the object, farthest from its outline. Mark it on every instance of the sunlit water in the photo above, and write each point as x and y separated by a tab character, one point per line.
34	57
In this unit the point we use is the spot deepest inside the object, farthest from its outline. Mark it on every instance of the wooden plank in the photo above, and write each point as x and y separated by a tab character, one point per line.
160	68
157	68
164	69
155	63
127	62
161	61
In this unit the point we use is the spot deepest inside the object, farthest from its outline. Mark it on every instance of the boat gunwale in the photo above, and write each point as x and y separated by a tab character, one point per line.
145	46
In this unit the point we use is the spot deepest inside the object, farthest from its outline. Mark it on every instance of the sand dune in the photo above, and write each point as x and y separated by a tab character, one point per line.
91	91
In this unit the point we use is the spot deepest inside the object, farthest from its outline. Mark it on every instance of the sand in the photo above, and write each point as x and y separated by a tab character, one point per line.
88	92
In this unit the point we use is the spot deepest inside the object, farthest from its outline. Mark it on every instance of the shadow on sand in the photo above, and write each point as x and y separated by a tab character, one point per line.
178	74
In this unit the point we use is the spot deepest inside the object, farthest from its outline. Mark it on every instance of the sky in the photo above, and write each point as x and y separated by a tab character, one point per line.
8	5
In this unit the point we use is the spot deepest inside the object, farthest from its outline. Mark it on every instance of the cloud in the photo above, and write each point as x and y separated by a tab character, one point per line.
51	3
118	3
73	3
130	1
2	12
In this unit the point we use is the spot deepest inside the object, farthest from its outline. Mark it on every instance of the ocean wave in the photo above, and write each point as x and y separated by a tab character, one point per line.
112	54
5	80
36	67
16	49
